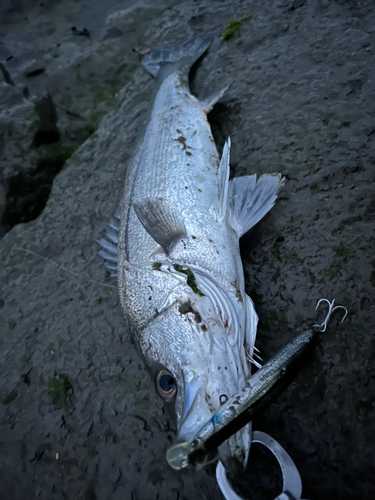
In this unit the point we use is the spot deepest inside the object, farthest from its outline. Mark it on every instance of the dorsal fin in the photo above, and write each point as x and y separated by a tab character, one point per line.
162	222
223	179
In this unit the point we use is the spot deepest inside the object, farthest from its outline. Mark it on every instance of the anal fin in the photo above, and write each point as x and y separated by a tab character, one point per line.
250	199
162	222
223	179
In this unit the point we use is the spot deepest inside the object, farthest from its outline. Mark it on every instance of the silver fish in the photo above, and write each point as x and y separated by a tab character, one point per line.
174	245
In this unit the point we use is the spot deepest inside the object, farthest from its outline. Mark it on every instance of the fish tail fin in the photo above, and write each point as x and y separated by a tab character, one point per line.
188	53
250	199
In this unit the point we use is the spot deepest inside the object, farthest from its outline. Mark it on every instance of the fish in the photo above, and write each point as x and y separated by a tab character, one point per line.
269	381
173	245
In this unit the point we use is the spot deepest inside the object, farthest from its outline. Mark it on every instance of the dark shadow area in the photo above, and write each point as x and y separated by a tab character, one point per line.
47	132
223	120
250	240
45	137
28	192
265	479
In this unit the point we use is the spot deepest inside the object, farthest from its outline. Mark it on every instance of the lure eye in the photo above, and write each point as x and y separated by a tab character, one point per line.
166	385
223	399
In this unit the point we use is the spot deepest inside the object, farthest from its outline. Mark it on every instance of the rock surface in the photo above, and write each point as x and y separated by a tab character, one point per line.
79	416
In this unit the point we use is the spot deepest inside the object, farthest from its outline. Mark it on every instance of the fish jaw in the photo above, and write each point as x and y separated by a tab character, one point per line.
199	409
196	410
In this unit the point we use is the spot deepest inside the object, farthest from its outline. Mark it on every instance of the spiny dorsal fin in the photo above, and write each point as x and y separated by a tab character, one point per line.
250	199
208	103
162	222
223	179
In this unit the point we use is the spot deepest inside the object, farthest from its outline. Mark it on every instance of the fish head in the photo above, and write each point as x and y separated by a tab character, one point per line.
196	367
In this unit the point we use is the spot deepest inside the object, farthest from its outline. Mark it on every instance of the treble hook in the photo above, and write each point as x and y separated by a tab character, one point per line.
331	308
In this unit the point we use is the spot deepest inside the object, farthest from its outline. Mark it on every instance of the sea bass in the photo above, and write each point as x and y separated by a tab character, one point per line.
174	246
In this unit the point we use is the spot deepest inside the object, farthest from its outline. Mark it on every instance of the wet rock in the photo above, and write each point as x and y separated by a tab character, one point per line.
298	104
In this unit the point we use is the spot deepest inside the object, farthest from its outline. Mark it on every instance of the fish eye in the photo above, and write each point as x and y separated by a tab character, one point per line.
166	384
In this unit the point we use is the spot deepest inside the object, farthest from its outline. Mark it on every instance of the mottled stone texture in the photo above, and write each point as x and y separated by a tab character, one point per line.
301	103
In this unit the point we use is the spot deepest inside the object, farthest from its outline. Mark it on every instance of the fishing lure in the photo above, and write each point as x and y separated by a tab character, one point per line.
268	382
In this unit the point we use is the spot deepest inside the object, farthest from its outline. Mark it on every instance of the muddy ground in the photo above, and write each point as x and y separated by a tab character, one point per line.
79	418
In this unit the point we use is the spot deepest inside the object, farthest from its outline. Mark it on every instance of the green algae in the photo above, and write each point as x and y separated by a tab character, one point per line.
60	152
10	397
60	390
190	280
342	255
90	317
11	324
342	252
100	300
156	266
24	360
233	26
50	31
279	314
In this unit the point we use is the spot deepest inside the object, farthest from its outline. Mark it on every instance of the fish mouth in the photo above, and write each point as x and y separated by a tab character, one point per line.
234	452
196	411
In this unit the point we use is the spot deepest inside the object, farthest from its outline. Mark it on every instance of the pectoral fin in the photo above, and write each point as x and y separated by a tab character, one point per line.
251	330
162	222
